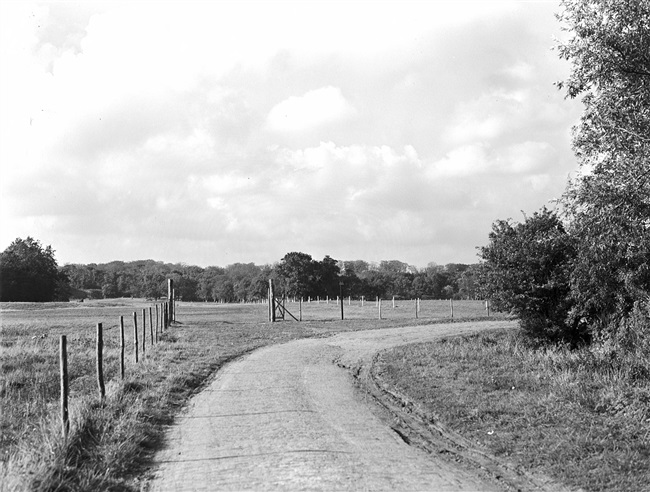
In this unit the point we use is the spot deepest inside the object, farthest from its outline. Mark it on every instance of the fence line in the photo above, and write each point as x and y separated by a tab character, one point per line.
63	357
165	316
415	307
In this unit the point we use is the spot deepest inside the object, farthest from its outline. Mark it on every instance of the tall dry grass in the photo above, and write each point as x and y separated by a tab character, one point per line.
580	416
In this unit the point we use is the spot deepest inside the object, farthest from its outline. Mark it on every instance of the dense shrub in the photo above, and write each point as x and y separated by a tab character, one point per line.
526	272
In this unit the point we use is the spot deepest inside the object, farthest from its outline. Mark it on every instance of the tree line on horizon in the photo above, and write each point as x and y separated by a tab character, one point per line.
29	272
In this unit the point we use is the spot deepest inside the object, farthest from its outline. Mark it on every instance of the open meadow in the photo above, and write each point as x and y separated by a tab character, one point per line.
568	414
110	441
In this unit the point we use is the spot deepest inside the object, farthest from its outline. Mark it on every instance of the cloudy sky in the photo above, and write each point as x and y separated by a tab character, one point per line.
212	133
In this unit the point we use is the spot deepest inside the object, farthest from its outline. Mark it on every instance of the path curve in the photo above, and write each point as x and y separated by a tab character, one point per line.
287	417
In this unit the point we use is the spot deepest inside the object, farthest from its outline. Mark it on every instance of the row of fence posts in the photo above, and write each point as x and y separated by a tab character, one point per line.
164	321
339	301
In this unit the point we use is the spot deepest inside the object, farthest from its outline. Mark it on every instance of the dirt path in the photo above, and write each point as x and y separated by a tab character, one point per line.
286	417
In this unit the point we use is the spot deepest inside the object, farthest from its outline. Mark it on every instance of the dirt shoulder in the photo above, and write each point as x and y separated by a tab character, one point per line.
289	417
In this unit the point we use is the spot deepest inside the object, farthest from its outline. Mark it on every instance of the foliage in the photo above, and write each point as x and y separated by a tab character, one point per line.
29	272
301	276
296	271
608	204
526	272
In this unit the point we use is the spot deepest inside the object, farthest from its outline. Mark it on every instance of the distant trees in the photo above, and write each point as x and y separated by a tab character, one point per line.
29	272
296	275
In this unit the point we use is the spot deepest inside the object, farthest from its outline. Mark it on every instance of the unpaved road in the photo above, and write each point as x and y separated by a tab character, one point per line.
286	417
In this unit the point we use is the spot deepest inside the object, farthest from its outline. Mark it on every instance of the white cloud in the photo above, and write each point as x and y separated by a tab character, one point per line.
313	109
526	157
521	70
228	184
522	158
488	117
462	161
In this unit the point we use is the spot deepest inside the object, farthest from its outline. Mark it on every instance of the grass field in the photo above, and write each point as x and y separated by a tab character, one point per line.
110	442
576	416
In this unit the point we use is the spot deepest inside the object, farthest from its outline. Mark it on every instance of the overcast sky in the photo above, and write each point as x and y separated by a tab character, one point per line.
212	133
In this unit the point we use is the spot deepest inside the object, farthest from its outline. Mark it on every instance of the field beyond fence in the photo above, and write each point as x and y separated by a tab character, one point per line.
204	337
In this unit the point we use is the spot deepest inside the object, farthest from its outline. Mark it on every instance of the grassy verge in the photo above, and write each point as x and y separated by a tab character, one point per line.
579	417
110	443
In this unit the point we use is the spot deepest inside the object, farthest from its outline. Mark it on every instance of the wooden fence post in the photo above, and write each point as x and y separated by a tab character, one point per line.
100	362
416	309
122	347
300	310
135	335
379	305
451	307
170	300
151	325
144	331
157	323
271	301
268	304
63	365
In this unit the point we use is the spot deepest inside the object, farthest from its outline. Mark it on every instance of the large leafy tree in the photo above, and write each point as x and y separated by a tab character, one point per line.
608	204
526	272
326	277
297	273
29	272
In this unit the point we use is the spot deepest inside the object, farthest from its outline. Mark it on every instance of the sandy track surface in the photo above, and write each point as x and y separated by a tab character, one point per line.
287	417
